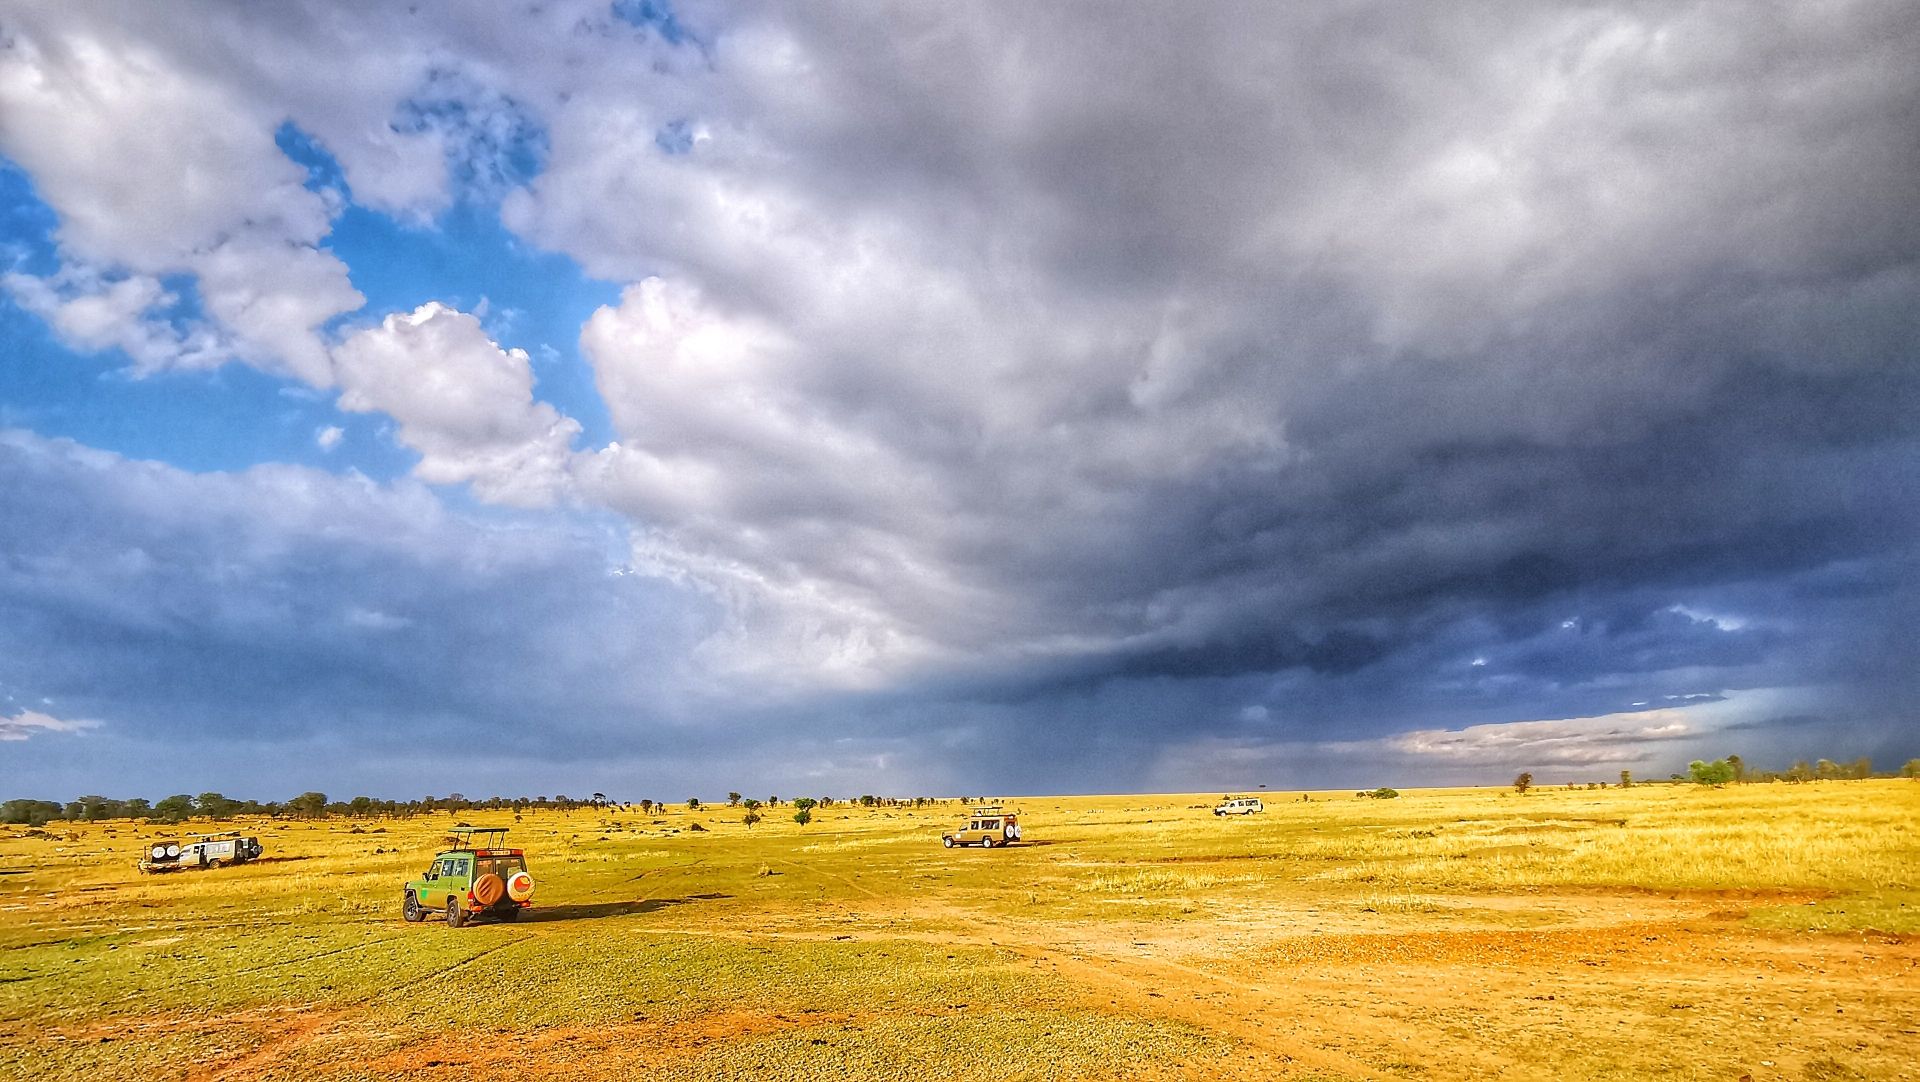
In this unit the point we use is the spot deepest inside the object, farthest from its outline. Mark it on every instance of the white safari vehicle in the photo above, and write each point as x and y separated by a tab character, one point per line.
209	852
987	827
1239	805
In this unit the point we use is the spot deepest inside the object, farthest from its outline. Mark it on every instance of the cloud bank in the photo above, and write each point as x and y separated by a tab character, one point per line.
1128	382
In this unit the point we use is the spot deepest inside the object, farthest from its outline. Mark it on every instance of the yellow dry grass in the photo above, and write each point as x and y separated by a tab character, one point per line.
1136	936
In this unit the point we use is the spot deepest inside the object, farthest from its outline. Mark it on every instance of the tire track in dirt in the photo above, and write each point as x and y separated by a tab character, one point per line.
305	1028
313	1025
1131	984
1136	985
830	875
185	981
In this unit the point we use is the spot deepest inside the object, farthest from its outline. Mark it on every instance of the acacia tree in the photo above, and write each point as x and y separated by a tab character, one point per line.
1718	772
1523	783
753	812
1626	779
803	809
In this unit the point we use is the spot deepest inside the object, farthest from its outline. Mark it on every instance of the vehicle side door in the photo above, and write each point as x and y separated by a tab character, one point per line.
433	890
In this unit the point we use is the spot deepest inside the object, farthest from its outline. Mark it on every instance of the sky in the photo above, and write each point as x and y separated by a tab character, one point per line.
667	399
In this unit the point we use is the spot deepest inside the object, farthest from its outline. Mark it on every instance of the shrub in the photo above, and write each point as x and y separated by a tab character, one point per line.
1718	772
803	810
1384	793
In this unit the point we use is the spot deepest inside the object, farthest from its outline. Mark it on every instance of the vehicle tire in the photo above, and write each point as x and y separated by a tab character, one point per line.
986	842
410	910
455	918
948	842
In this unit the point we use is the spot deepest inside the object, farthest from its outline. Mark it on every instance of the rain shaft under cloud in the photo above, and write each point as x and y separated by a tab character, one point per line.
1148	390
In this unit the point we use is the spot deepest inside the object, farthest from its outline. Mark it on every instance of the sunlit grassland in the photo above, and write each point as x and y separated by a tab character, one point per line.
643	919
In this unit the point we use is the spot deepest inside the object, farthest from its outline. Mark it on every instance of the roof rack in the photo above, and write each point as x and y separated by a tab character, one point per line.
491	837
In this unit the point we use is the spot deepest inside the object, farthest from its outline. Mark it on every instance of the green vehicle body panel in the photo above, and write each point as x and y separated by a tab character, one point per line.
450	876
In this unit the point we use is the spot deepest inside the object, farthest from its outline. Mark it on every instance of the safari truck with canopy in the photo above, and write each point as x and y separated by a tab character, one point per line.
1239	805
987	827
211	851
475	876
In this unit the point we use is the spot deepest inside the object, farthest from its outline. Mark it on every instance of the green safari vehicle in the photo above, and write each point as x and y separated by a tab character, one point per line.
468	880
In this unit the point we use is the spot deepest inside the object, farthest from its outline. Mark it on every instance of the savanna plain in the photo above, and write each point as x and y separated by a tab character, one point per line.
1666	931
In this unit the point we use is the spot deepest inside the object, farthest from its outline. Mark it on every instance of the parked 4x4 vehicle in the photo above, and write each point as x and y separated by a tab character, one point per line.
1239	805
988	827
211	851
468	881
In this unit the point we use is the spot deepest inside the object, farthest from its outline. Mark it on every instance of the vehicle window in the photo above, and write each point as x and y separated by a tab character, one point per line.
461	865
990	824
504	867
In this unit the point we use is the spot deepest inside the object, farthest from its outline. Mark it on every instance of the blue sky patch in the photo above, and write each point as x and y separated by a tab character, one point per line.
655	15
493	145
26	225
237	416
675	138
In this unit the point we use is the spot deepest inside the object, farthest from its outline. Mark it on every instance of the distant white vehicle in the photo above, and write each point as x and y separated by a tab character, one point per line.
1242	805
208	852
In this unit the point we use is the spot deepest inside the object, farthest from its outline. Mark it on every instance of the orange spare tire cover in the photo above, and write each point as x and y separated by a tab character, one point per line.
489	889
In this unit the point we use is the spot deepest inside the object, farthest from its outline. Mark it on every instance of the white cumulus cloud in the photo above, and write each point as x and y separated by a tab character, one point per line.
463	402
30	723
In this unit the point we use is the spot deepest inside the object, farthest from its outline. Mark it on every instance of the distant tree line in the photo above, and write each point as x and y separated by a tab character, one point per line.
179	808
1734	770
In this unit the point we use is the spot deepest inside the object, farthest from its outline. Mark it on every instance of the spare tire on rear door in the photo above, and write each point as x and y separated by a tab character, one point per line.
520	886
489	889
